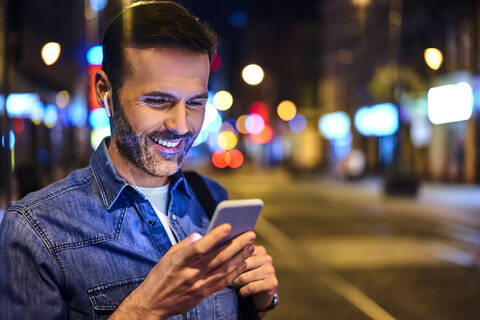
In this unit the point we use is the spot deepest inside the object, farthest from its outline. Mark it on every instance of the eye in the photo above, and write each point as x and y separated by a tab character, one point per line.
197	102
156	101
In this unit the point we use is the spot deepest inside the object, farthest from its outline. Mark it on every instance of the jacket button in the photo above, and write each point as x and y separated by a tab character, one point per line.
152	222
174	217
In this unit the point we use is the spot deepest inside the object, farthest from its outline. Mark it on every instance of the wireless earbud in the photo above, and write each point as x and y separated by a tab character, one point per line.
105	104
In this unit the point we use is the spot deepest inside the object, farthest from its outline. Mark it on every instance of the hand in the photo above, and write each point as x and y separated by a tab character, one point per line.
259	279
188	273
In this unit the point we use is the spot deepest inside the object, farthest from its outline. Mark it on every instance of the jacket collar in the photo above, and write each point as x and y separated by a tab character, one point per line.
111	184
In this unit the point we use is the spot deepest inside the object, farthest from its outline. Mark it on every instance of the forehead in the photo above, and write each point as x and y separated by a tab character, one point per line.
162	68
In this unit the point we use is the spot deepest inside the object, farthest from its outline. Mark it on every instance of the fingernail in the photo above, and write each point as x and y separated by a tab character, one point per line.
252	236
227	227
196	236
250	249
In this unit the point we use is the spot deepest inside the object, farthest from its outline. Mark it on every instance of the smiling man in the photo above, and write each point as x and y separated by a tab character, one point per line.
125	238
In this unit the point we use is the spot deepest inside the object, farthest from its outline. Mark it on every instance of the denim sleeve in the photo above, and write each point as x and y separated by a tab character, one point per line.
29	277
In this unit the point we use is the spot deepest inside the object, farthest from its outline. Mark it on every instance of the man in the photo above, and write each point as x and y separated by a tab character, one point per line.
121	239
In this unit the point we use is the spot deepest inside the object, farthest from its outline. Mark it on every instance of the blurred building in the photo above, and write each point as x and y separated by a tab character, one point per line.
352	76
373	52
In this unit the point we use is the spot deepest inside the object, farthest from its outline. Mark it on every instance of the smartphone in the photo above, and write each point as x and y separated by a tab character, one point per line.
242	215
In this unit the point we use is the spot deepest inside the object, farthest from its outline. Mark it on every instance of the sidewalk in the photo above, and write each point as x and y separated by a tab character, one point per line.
459	203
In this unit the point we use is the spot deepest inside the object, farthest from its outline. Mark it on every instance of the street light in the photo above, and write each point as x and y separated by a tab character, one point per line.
252	74
51	52
433	58
361	3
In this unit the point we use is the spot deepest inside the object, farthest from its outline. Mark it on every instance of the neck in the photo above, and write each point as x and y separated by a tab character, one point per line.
132	173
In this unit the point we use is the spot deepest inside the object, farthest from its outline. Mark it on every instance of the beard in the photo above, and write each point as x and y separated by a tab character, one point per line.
137	147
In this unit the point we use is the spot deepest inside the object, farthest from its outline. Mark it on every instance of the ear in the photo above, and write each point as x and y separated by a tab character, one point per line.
103	91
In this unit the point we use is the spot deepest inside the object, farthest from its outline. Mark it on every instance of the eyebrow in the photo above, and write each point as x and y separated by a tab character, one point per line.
171	96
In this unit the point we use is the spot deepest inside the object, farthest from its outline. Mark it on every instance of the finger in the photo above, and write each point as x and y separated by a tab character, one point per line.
232	263
185	242
268	285
259	251
261	273
219	281
220	255
206	243
254	261
221	278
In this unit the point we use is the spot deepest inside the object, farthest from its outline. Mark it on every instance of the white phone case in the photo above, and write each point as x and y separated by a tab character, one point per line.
242	215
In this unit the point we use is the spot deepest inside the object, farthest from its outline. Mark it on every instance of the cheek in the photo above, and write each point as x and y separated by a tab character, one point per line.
145	121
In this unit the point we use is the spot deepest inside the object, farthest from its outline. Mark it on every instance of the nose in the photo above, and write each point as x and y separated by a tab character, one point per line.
177	119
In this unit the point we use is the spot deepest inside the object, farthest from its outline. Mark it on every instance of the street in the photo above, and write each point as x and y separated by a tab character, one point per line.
341	253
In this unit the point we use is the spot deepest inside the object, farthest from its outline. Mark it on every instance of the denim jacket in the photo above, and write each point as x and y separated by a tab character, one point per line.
77	248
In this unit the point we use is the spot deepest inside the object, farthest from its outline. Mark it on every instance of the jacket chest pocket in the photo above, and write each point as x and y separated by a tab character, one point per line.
225	304
107	297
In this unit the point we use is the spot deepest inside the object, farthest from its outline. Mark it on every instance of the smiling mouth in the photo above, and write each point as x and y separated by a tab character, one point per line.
167	145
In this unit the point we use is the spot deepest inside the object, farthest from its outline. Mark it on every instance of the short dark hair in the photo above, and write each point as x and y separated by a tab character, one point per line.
147	24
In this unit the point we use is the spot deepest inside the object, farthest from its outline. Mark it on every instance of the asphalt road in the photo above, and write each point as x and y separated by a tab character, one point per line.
342	254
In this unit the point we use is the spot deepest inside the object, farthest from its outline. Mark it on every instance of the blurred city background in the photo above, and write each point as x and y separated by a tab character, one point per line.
357	122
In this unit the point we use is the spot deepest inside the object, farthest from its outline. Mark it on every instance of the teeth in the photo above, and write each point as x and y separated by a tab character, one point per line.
167	144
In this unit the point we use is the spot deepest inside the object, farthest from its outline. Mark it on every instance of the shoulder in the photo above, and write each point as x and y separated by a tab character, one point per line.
65	212
74	182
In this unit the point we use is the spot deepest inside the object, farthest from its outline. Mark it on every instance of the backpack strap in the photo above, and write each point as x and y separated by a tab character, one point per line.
200	188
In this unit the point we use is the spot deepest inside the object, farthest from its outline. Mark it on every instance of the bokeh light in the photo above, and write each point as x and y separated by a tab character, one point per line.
236	158
77	112
216	63
221	159
263	137
11	140
227	158
450	103
95	55
212	142
361	3
378	120
24	105
51	53
98	118
254	123
228	126
298	123
227	140
286	110
97	135
37	115
239	19
43	158
223	100
62	98
18	125
240	124
335	125
50	116
98	5
433	58
252	74
260	108
211	124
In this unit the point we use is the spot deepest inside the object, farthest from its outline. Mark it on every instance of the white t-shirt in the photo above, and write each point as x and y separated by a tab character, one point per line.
158	197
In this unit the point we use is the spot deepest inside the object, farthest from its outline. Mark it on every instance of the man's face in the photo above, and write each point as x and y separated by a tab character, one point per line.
160	107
